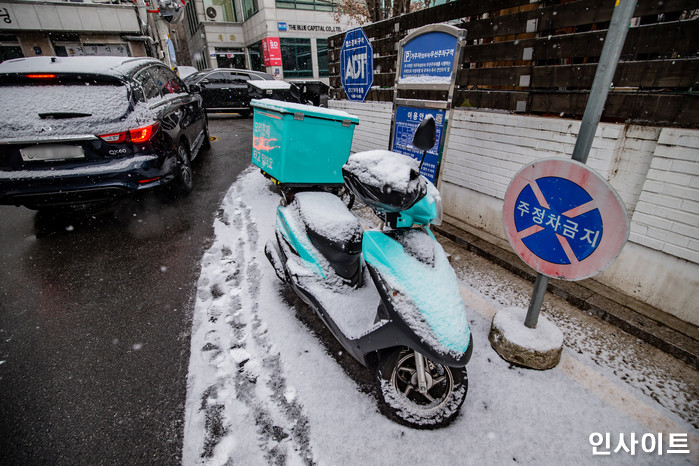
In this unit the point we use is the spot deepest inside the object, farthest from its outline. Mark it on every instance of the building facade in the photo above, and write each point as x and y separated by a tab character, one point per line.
29	28
287	38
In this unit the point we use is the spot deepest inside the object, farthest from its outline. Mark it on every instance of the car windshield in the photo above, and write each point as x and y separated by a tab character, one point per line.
195	77
74	108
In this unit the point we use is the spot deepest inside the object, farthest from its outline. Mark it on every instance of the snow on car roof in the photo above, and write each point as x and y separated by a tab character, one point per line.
270	84
114	66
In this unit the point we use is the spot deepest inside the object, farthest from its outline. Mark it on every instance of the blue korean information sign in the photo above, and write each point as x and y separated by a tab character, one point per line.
356	65
407	121
429	57
564	233
564	219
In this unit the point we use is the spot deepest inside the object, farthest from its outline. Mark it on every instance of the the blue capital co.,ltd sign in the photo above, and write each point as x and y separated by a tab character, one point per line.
356	65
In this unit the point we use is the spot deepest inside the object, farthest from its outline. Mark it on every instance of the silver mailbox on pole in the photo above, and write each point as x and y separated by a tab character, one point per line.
428	60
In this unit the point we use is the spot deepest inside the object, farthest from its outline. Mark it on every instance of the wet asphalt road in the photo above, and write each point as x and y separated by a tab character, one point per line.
95	319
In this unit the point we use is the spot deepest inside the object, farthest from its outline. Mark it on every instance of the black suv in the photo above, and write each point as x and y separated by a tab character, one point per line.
75	131
225	89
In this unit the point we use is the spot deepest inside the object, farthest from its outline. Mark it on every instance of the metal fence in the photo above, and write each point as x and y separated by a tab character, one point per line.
540	58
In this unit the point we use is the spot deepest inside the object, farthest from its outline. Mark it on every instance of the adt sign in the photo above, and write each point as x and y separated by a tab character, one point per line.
356	65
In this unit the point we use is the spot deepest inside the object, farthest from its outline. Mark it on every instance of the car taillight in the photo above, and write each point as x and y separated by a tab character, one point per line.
136	136
41	76
142	134
114	138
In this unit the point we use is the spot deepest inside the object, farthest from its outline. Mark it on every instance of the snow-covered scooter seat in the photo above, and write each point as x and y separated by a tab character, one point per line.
333	230
385	181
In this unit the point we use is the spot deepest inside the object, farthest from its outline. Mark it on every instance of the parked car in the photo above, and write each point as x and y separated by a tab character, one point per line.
76	131
225	89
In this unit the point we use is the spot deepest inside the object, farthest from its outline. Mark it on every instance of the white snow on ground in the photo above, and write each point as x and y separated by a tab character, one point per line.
262	389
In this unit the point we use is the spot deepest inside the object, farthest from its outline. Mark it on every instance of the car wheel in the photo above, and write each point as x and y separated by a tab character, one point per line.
184	181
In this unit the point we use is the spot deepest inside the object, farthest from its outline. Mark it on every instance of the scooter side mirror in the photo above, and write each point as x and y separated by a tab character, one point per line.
425	135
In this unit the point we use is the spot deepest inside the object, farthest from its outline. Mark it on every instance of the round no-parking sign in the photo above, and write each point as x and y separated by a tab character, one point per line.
564	220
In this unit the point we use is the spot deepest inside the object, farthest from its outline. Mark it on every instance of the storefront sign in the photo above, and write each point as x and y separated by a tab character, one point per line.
281	26
356	65
428	58
313	28
5	15
407	121
271	51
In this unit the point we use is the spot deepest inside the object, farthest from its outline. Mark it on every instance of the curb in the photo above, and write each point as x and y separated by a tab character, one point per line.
655	327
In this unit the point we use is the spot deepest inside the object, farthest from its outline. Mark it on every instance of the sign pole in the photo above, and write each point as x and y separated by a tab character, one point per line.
613	44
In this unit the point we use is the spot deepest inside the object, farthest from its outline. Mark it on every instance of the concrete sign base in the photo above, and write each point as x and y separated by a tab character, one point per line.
535	348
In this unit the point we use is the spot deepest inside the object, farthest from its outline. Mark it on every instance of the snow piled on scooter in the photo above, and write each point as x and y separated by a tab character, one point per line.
381	168
431	305
325	214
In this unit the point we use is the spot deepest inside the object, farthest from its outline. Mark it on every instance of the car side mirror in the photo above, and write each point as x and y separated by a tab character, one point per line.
194	88
425	135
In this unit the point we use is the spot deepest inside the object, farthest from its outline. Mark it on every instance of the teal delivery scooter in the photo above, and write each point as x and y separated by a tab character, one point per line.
405	318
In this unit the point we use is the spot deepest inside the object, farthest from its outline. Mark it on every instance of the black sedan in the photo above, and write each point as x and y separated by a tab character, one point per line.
81	131
225	89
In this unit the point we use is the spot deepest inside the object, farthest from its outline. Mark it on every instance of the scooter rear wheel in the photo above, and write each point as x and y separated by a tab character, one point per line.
401	401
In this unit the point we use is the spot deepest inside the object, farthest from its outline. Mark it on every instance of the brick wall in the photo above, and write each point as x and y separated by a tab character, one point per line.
654	170
666	217
486	150
374	128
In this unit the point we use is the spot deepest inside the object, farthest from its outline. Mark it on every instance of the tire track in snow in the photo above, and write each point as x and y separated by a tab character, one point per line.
237	393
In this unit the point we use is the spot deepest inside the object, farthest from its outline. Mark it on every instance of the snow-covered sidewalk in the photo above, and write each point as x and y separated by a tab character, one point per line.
263	389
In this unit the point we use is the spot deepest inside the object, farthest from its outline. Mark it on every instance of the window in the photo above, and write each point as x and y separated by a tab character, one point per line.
323	69
296	58
317	5
215	78
9	47
8	52
230	57
150	89
201	59
192	18
166	80
257	62
250	7
240	79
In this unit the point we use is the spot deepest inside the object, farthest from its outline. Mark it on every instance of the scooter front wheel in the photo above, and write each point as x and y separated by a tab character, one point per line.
400	397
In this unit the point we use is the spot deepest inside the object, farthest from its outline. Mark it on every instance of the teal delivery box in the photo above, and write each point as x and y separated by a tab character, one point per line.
300	144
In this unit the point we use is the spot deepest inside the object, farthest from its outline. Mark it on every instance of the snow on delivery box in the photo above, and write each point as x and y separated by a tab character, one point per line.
301	144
